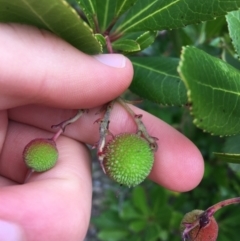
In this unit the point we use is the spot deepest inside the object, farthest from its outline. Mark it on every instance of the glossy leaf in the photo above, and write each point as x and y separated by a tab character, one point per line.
146	39
233	20
105	13
89	9
143	39
213	90
126	45
100	39
56	16
156	79
228	157
122	6
158	14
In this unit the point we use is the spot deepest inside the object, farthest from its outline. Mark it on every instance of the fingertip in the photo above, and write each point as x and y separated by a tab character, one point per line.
179	165
58	70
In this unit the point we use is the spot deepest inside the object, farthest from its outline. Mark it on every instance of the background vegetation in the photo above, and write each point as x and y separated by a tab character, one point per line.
150	212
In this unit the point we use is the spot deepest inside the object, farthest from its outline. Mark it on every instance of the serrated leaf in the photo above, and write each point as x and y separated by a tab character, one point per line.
100	39
126	45
233	20
143	39
105	13
156	79
56	16
214	91
89	9
158	14
122	6
146	39
228	157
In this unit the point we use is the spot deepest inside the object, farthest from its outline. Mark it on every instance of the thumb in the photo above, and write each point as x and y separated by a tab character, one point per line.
37	67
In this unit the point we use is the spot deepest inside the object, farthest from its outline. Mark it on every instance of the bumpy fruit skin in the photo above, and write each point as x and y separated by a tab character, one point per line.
207	233
40	154
128	159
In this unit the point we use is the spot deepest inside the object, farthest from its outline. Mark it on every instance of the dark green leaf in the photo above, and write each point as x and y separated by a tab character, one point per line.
232	145
156	79
126	45
158	14
105	13
100	39
214	27
112	235
137	226
146	39
142	39
122	6
233	20
228	157
152	232
163	216
139	200
56	16
129	212
89	9
213	89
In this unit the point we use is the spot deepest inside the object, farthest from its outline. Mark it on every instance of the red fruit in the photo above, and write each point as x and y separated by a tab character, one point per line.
208	232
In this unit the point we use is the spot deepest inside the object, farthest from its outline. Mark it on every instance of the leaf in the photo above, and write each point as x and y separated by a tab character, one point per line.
126	45
105	13
137	225
146	39
232	145
159	14
122	6
213	90
228	157
100	39
89	9
140	40
156	79
128	212
112	235
56	16
139	200
233	20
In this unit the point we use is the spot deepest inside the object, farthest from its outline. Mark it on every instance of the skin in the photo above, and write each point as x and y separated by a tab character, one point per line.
42	80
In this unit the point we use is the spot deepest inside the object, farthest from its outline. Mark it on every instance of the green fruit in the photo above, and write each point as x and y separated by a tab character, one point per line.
208	232
40	154
128	159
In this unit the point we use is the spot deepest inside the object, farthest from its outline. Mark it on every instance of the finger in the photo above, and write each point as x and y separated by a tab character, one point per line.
54	205
178	163
49	71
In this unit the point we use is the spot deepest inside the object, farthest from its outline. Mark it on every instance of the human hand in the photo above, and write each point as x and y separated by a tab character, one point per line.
42	79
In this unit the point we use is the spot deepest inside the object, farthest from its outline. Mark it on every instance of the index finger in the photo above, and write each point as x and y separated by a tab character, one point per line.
178	163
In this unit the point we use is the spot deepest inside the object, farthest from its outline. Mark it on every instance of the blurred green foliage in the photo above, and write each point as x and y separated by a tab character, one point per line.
150	212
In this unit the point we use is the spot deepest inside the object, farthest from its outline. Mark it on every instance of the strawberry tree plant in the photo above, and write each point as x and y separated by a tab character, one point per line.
206	85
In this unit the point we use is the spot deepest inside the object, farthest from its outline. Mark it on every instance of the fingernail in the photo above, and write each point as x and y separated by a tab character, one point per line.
113	60
10	232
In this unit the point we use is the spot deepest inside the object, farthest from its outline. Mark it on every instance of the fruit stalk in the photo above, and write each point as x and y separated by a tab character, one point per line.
141	129
204	218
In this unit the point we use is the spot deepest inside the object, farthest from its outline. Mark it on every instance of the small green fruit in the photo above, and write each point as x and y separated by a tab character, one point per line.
128	159
207	233
40	154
